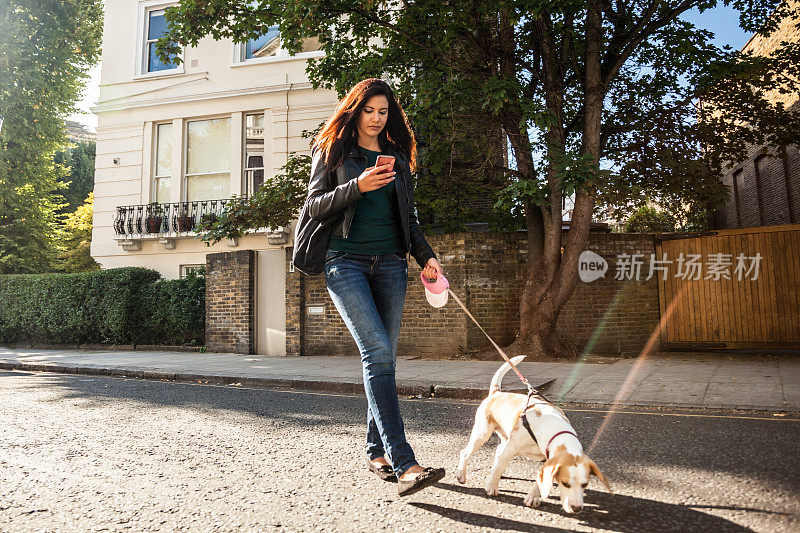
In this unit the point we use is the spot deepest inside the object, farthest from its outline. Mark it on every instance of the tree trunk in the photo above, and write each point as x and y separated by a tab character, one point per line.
537	325
551	276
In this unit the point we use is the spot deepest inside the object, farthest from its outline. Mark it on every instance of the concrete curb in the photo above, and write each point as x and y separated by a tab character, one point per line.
433	391
108	347
416	391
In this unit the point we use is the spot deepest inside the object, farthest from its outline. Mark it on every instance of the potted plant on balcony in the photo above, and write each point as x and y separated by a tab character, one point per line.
207	219
185	221
153	221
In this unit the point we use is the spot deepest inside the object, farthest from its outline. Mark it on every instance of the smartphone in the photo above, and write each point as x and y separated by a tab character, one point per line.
385	160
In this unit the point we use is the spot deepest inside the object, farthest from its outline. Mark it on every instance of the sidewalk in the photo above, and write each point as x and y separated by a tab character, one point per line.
713	383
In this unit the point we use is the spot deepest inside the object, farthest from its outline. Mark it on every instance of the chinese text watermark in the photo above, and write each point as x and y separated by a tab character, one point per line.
632	267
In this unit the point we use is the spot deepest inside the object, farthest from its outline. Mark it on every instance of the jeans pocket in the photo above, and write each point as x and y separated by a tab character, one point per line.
333	255
401	257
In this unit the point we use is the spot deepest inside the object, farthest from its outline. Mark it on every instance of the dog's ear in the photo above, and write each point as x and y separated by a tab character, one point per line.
594	469
545	477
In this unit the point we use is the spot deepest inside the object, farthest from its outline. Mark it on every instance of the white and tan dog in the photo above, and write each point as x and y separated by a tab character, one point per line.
556	444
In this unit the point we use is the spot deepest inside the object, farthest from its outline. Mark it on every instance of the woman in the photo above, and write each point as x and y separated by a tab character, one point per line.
365	266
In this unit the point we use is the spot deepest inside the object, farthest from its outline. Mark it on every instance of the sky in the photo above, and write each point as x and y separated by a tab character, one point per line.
722	21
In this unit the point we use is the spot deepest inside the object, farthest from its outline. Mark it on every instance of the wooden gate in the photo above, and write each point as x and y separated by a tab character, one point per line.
742	309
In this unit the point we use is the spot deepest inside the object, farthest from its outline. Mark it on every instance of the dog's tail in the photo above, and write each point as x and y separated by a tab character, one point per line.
497	379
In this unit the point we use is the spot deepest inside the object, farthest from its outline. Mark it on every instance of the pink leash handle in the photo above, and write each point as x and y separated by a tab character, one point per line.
437	286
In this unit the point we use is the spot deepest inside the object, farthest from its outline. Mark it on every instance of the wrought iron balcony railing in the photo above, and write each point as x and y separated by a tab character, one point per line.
169	218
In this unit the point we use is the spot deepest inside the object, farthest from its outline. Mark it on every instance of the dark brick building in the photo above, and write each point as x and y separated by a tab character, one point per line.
765	188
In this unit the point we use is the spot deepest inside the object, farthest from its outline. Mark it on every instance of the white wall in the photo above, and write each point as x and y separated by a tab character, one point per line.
209	84
212	84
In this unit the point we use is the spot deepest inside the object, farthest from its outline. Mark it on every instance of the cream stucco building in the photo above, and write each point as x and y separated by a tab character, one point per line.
174	142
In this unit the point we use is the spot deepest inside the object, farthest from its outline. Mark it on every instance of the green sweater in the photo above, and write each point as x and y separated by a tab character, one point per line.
376	227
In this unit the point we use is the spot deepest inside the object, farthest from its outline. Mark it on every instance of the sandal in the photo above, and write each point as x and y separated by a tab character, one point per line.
385	472
426	478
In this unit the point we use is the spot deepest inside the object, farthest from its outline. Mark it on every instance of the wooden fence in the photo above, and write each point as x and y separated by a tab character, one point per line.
746	295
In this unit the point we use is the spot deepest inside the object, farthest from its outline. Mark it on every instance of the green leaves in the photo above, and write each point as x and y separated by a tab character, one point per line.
76	240
648	219
496	94
46	47
116	305
531	191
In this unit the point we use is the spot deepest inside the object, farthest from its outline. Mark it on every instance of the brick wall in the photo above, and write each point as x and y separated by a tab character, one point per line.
609	316
295	307
230	301
764	190
494	265
763	46
485	270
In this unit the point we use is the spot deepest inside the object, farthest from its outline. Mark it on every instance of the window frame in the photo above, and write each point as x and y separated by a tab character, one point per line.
156	177
246	178
183	271
142	48
185	175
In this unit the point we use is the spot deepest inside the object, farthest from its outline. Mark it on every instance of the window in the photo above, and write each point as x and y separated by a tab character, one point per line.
163	170
763	176
152	25
156	26
738	185
269	46
185	269
253	152
208	159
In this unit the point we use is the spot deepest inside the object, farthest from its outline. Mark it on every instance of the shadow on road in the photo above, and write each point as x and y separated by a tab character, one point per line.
483	520
614	512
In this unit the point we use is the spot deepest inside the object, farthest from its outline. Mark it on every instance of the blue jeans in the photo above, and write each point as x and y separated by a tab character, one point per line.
369	292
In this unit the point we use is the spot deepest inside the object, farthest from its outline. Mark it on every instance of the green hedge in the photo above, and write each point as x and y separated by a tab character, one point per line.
129	305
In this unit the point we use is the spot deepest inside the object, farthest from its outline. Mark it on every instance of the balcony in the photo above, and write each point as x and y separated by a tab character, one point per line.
170	221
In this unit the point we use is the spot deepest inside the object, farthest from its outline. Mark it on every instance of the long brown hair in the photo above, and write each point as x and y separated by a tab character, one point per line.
338	135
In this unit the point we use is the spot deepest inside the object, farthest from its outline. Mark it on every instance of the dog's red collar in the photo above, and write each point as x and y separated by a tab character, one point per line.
546	448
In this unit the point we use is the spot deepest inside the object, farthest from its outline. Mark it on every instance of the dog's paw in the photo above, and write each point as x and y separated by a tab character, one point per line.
532	501
492	491
461	477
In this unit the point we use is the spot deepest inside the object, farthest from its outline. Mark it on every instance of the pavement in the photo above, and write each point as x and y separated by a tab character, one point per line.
94	453
714	381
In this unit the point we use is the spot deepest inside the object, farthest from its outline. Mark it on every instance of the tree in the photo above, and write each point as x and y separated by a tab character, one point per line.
649	219
76	240
78	158
597	99
46	47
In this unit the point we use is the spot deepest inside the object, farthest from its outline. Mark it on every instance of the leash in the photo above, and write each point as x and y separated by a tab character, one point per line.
531	391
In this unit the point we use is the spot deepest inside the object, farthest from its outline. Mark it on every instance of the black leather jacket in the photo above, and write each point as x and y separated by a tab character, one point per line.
324	203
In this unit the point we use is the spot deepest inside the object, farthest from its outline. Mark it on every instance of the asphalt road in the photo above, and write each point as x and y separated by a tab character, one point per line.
83	453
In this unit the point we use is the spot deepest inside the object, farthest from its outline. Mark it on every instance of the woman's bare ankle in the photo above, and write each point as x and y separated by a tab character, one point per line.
411	473
380	461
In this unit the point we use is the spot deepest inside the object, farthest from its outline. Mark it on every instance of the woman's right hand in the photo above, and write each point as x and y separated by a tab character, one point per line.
375	178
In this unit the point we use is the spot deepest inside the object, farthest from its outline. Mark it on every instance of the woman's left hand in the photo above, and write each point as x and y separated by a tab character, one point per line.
432	269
